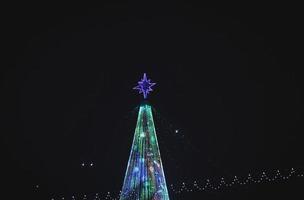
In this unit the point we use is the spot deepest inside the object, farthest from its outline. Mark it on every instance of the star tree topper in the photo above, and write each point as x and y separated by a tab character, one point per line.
144	86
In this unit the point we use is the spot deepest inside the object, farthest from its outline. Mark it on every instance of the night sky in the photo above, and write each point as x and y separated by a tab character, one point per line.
228	79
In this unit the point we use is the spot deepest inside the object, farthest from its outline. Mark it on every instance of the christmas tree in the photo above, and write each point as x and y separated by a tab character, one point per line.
145	178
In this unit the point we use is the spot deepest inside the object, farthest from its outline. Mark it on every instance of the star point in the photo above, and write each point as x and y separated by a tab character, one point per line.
144	86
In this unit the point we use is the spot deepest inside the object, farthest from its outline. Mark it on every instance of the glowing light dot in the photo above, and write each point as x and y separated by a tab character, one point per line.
136	169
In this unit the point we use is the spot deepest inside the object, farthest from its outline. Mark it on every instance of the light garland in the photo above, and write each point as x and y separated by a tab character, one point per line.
208	186
204	186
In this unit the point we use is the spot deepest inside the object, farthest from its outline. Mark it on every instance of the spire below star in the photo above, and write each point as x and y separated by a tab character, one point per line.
144	86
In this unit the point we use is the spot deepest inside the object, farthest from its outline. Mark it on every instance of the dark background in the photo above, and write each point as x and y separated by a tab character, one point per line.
228	78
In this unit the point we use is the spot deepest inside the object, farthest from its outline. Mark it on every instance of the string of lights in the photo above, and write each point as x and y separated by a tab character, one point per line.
207	185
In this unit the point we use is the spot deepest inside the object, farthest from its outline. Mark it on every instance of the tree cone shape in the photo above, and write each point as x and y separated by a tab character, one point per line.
145	178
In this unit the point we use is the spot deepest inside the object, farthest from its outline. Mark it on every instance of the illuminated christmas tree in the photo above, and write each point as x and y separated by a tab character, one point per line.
145	178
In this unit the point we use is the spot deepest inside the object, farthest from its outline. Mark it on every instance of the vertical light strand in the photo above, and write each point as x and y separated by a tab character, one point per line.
164	184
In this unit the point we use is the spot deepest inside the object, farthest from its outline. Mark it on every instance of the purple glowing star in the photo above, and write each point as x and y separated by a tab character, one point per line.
144	86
